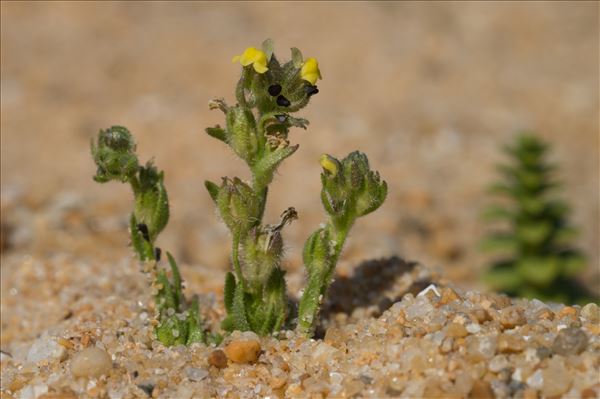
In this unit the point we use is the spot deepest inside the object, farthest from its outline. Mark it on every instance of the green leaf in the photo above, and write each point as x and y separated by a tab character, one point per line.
503	277
497	213
172	331
297	58
217	132
213	190
572	264
502	189
539	271
499	242
268	48
177	285
195	331
265	167
165	298
229	291
564	235
534	233
240	319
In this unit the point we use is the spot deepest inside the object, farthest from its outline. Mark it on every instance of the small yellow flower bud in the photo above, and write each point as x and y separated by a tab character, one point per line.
329	164
310	71
257	58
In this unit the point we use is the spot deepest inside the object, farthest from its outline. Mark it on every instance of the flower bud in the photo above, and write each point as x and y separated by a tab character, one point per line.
262	251
241	133
237	205
350	188
114	155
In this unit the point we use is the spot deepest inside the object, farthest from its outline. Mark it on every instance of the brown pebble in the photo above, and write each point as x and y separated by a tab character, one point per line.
243	351
570	341
334	336
567	311
511	316
545	314
588	393
91	362
501	301
448	295
530	394
481	390
591	312
455	330
65	343
481	315
218	359
86	340
509	343
58	395
277	382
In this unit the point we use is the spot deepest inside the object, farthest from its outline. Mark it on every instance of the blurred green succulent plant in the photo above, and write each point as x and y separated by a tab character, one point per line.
536	259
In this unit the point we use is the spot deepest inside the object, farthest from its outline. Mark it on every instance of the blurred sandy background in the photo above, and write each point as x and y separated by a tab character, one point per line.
428	90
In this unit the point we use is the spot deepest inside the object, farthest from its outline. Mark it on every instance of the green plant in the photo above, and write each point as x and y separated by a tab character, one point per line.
114	154
538	261
256	129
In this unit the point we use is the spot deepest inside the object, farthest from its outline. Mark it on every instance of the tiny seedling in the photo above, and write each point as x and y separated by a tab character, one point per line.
537	260
256	128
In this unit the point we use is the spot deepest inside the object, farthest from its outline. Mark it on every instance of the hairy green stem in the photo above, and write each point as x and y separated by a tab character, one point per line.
319	279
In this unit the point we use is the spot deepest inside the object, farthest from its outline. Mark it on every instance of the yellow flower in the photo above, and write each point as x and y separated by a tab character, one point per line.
257	58
329	163
310	71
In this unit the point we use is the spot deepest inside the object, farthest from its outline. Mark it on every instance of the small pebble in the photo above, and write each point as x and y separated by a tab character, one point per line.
243	351
557	380
591	312
218	359
196	374
46	349
510	343
91	362
570	341
455	330
511	317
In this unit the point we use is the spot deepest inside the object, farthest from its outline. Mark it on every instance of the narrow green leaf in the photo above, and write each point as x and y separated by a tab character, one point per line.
240	319
229	291
195	331
539	271
297	57
218	133
503	277
213	190
497	213
177	284
499	242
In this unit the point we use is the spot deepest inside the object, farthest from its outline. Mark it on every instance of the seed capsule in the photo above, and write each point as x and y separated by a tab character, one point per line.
157	253
283	102
275	89
311	90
